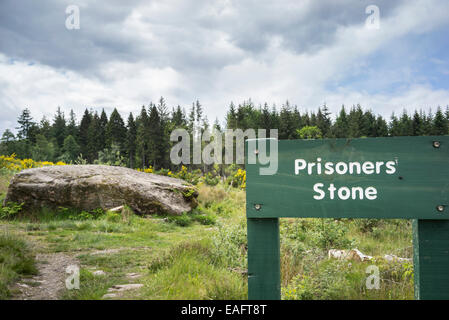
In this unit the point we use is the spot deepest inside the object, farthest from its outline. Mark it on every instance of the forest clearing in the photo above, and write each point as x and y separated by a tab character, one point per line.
201	255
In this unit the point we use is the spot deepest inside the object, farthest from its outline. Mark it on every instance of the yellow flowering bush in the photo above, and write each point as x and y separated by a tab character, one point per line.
13	163
192	177
238	179
146	170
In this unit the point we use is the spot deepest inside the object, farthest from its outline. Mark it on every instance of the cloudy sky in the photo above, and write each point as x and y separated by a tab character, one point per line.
128	53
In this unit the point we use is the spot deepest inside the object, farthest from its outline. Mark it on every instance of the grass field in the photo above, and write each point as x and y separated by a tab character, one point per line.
203	256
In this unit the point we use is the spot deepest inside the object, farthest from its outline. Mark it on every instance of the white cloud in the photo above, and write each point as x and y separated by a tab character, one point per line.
42	88
220	52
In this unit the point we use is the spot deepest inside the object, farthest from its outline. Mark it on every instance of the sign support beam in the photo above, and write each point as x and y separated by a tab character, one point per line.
264	275
431	259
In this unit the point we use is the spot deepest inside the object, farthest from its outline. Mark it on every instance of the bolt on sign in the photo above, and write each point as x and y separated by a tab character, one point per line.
392	177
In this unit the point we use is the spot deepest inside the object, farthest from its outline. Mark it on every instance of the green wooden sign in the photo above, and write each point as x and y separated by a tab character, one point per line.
401	177
394	177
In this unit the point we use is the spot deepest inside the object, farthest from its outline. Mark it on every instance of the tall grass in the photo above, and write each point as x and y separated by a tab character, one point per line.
16	260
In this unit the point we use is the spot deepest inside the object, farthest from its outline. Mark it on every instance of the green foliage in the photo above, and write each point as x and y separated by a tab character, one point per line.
113	216
206	220
42	150
183	220
11	210
310	132
328	283
188	269
70	150
237	178
111	156
92	287
343	280
145	142
71	214
211	179
319	233
16	260
230	245
173	266
367	225
203	216
116	131
192	177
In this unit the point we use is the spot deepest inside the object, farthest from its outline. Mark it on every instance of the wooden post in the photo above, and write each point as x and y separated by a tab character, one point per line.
264	275
431	259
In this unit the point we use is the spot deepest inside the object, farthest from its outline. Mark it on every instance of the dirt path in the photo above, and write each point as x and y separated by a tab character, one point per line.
50	281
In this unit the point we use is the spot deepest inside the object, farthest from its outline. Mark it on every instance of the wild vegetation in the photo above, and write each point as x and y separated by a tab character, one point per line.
143	141
202	255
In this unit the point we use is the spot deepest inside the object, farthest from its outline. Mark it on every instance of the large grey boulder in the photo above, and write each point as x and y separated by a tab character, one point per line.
88	187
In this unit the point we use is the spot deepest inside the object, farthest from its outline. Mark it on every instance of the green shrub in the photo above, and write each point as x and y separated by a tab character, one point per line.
318	233
183	220
329	282
15	260
367	225
211	179
113	216
75	214
230	245
205	219
11	210
331	234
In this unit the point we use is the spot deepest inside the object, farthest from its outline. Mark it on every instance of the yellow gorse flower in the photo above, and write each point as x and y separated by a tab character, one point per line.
12	163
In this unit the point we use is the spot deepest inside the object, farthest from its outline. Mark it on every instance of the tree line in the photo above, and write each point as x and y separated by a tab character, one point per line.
144	140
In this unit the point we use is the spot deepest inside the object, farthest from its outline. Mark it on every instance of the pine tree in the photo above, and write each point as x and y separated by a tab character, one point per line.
305	120
25	123
156	143
165	129
7	143
355	120
131	145
323	120
59	130
42	150
83	132
72	127
71	149
428	123
297	120
178	118
26	126
265	120
33	132
341	126
102	127
216	126
142	140
231	117
368	128
93	139
440	123
417	124
287	126
116	131
405	124
447	113
198	112
45	128
274	118
381	127
191	120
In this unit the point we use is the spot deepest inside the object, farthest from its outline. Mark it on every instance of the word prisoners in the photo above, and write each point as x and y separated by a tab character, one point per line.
342	168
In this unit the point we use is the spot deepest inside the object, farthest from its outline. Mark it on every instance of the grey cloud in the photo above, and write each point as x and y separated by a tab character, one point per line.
183	33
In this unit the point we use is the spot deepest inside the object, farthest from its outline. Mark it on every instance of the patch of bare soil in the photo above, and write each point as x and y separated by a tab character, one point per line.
50	282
